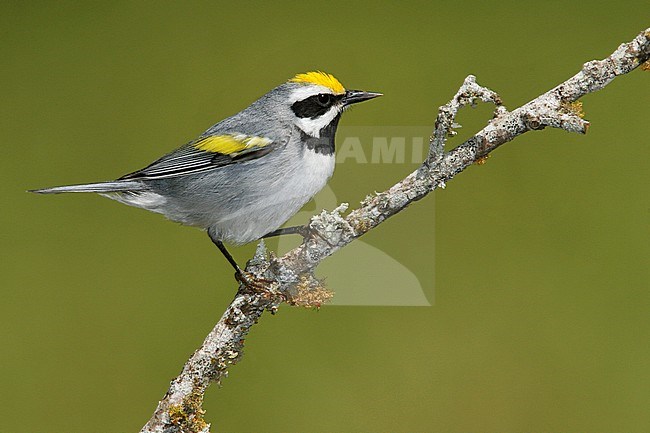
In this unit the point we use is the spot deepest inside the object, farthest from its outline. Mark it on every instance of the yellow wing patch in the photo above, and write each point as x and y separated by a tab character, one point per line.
320	78
231	144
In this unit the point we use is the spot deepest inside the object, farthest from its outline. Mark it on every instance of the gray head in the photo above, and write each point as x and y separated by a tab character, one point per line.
312	102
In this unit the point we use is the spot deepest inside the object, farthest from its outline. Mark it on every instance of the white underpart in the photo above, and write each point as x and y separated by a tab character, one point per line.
145	199
314	171
309	126
281	202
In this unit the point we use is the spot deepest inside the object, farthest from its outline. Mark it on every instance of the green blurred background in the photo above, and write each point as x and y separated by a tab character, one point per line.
540	291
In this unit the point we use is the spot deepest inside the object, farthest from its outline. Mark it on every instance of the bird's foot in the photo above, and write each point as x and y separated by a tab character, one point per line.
253	282
262	287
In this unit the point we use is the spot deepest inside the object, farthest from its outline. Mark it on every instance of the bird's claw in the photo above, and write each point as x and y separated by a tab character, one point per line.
253	282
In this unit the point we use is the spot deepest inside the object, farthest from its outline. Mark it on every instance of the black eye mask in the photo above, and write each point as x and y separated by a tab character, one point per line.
316	105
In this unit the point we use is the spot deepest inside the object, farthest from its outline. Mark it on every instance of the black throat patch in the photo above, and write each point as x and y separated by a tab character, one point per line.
325	143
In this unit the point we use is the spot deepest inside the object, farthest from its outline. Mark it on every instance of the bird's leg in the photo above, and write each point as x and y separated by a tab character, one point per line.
295	230
240	275
226	254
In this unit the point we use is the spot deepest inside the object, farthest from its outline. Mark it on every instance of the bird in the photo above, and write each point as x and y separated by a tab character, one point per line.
245	176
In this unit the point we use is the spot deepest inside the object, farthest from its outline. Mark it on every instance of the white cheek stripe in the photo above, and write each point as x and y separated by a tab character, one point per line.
312	127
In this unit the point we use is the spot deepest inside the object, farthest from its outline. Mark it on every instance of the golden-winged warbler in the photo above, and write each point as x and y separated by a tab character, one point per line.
247	175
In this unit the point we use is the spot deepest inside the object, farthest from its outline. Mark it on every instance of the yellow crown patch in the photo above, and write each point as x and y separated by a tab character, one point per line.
321	79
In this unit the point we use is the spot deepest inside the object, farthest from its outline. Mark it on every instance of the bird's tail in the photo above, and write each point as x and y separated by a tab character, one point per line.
101	187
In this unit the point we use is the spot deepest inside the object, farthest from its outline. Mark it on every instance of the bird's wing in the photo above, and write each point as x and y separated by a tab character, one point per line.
206	153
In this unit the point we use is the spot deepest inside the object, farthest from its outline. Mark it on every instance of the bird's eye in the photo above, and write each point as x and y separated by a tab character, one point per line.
324	99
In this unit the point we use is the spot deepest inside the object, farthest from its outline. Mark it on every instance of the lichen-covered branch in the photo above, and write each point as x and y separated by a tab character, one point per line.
290	278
